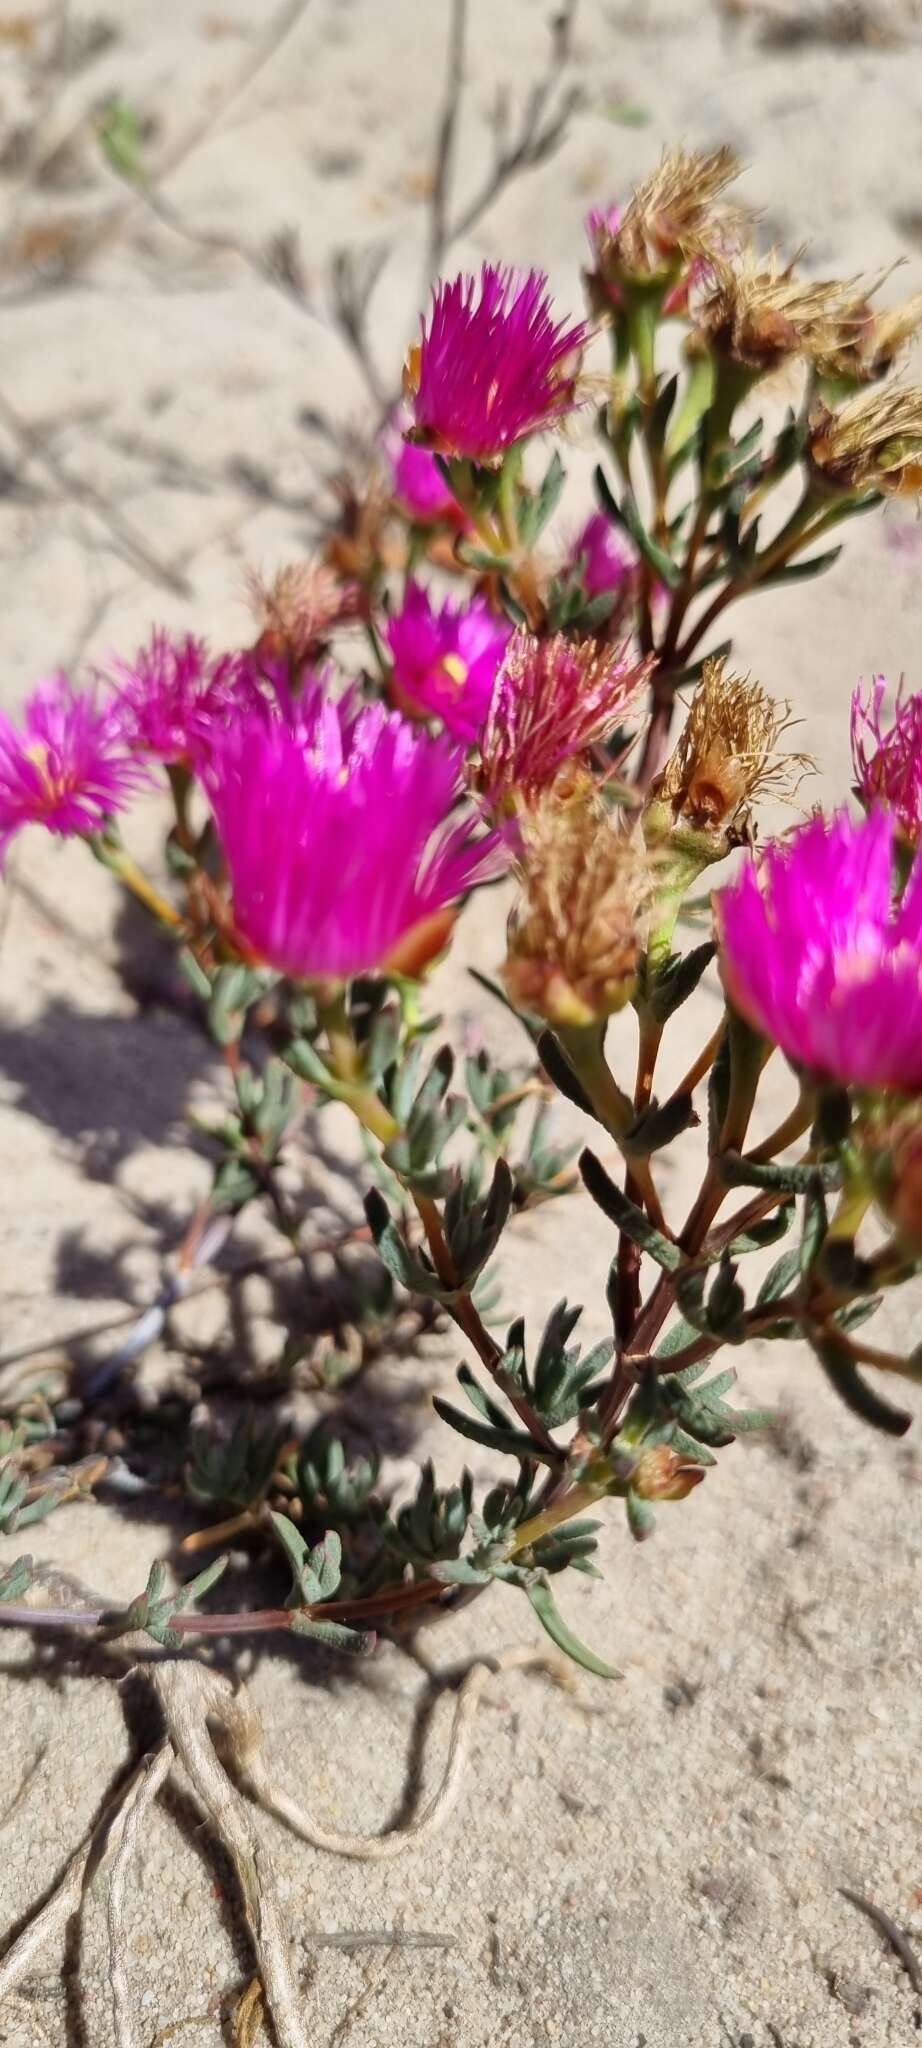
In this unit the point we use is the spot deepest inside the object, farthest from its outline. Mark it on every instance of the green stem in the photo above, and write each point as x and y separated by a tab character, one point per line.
132	878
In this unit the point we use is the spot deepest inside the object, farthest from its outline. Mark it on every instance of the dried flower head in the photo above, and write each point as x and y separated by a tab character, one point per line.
756	312
553	699
890	1139
492	364
68	767
869	339
671	222
817	953
725	757
445	660
298	610
337	829
888	765
871	443
576	937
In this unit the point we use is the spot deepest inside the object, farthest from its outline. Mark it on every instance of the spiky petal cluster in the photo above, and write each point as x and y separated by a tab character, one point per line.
170	699
553	699
871	443
336	827
576	937
817	954
888	765
67	766
727	755
492	364
445	660
671	227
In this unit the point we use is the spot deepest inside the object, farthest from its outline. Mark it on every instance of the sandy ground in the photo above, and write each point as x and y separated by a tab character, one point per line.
657	1862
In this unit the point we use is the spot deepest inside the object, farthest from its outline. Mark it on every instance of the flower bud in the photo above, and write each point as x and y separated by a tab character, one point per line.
662	1474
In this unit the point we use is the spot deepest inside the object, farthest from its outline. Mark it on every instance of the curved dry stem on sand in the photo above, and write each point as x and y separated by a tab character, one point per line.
191	1697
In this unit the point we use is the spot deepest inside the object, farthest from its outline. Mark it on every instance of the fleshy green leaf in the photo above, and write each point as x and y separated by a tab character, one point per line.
629	1219
552	1620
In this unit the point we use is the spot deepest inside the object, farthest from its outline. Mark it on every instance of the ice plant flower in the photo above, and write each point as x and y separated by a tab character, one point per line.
170	699
445	660
888	766
818	954
552	701
67	766
871	443
337	830
606	560
492	365
417	483
576	937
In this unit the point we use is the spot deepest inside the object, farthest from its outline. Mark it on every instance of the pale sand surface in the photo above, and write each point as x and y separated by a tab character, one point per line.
653	1862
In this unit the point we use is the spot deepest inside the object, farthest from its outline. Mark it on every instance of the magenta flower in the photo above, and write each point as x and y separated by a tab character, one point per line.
608	560
821	958
338	836
66	768
552	701
174	694
420	488
888	766
492	365
445	661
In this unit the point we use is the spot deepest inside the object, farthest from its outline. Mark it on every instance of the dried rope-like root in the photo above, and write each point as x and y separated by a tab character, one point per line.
188	1694
245	1736
50	1921
141	1793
